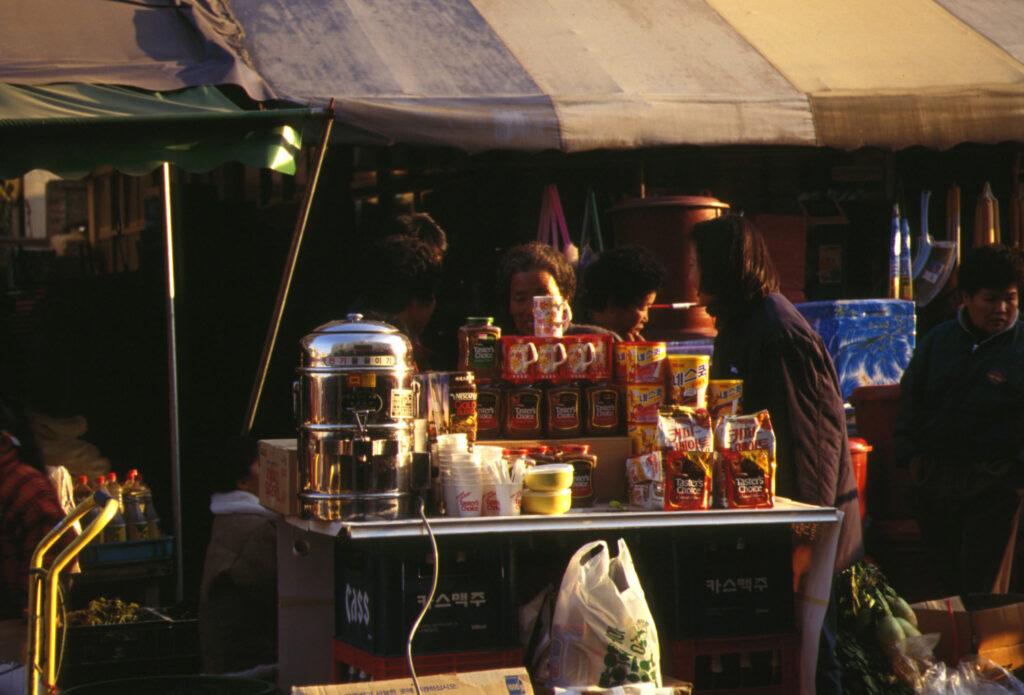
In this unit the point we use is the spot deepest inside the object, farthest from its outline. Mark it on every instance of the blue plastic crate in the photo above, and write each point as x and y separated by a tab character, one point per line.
870	341
146	550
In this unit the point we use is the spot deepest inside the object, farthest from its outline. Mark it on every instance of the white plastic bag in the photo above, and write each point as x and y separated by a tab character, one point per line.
975	675
602	633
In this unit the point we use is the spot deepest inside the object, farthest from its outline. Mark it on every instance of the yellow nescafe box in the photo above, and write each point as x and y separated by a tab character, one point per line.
688	380
725	397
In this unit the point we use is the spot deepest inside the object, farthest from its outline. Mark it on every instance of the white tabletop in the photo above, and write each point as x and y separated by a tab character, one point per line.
599	517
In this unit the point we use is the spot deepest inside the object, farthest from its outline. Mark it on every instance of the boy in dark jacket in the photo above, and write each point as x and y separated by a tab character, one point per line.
961	423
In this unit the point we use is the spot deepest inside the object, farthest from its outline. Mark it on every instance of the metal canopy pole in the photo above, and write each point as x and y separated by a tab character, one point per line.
172	369
286	277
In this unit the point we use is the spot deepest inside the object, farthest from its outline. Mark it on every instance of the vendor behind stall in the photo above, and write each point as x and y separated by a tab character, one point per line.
535	269
960	428
399	286
620	286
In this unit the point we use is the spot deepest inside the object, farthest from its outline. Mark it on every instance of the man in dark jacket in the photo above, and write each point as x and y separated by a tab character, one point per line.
961	423
786	370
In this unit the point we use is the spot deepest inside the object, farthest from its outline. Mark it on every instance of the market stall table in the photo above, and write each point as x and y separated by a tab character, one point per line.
308	588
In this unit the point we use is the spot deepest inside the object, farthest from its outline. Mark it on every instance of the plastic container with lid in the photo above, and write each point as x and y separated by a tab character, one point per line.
549	477
480	347
546	501
583	464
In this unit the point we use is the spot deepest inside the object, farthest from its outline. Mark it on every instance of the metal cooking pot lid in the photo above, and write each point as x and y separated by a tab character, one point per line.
357	342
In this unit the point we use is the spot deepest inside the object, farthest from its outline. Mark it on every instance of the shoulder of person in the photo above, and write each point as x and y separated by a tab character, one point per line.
588	329
786	320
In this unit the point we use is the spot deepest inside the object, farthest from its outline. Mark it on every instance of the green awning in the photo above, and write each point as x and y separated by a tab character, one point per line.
72	129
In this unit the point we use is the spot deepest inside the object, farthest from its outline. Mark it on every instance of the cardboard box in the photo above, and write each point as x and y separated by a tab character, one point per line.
989	625
507	681
611	452
279	475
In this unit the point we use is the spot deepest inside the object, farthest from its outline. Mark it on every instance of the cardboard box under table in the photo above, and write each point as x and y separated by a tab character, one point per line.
989	625
279	475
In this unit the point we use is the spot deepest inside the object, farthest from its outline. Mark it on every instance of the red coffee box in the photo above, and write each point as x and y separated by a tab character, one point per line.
601	368
518	358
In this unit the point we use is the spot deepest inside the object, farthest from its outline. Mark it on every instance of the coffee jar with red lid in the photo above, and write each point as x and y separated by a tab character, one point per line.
583	463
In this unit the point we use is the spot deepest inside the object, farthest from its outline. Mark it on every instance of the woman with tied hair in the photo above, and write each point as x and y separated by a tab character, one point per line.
786	370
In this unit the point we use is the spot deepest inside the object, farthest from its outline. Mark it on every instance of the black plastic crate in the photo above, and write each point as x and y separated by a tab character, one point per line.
381	589
156	646
732	582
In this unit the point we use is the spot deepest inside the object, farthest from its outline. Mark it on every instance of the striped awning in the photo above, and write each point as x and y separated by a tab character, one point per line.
577	75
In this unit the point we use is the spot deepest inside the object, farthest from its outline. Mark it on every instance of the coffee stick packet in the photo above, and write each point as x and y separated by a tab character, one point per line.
684	438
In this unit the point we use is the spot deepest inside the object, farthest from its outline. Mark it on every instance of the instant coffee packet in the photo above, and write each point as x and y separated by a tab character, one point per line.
744	461
645	480
685	441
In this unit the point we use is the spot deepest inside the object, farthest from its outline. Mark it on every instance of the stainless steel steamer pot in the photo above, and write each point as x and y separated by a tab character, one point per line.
355	404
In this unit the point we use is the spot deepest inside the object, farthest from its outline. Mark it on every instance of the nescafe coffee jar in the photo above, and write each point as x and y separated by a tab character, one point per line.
602	409
488	410
523	412
480	347
583	464
462	404
563	405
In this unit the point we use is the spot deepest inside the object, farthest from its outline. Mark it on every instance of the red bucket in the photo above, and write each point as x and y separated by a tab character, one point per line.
859	449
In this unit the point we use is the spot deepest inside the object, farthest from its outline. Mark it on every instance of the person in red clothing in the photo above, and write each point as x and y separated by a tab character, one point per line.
29	509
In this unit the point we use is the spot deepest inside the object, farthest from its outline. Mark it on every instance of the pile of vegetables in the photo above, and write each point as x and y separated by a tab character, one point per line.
873	621
106	611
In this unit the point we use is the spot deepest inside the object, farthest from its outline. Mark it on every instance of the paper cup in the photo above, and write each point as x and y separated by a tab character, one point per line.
464	499
503	499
